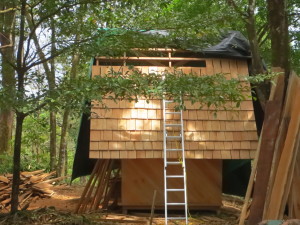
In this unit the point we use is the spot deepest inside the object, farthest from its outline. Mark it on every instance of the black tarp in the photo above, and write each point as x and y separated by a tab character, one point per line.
232	45
82	164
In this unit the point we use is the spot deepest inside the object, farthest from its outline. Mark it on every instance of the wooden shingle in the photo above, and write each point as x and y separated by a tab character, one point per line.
134	129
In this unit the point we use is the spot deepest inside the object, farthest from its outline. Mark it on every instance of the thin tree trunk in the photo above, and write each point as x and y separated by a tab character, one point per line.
257	66
20	116
8	73
50	74
61	171
16	161
63	138
51	82
52	141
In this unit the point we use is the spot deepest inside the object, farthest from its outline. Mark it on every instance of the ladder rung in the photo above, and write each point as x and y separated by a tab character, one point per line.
175	189
174	163
173	112
175	203
173	125
176	218
175	176
174	149
173	137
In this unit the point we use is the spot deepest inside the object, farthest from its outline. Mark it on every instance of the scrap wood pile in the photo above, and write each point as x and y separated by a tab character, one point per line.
33	185
275	178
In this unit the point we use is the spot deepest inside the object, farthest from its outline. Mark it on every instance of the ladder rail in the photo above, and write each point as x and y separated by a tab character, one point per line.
184	167
166	139
165	161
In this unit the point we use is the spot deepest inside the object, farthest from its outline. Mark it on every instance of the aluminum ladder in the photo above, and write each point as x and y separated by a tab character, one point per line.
174	160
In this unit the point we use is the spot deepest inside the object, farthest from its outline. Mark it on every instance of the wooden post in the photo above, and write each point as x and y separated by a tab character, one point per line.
152	207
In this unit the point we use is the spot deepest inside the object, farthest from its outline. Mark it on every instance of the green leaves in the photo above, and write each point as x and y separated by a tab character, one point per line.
213	91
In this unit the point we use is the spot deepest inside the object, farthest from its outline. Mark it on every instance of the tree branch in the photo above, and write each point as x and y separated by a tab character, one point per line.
57	53
262	32
35	109
233	4
46	17
8	10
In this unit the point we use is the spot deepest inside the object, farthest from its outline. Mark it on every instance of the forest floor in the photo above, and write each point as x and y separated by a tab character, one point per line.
59	208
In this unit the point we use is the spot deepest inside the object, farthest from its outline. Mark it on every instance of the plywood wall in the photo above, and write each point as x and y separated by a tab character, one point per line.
140	177
129	130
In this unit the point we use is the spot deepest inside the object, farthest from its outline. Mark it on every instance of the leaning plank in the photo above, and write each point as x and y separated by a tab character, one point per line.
87	187
105	172
270	129
84	200
281	178
293	85
290	174
294	198
243	215
263	157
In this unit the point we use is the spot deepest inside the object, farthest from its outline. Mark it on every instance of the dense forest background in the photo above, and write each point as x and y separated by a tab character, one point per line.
46	49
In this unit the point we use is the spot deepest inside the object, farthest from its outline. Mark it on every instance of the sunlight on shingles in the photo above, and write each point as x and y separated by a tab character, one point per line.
140	104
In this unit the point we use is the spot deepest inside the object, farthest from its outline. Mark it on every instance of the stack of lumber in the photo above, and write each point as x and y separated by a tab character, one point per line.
33	185
103	187
276	167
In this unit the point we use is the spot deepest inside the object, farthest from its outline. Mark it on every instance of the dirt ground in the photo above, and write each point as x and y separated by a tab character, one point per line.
59	209
65	198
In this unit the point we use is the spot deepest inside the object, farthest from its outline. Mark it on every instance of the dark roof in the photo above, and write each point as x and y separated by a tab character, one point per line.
233	44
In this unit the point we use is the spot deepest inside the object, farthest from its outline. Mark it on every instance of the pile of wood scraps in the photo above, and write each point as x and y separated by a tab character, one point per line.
275	178
33	185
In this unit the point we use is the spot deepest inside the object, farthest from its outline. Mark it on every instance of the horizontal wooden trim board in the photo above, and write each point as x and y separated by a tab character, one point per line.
151	58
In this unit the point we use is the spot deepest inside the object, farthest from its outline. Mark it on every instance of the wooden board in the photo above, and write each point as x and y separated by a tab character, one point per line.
294	204
269	134
293	85
269	131
141	177
285	163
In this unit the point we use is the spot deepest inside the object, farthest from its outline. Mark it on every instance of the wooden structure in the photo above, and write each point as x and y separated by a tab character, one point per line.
276	164
132	131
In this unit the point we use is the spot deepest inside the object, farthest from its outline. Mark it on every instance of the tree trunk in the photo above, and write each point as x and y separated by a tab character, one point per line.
52	141
262	90
61	171
50	74
17	162
51	82
20	116
8	73
257	65
278	23
65	125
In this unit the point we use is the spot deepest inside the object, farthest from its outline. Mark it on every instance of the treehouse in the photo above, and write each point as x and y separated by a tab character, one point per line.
131	133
